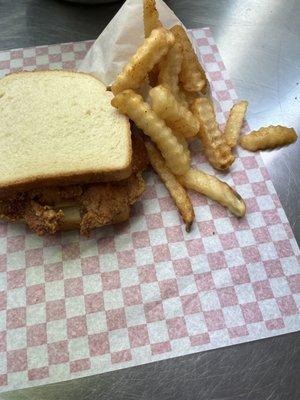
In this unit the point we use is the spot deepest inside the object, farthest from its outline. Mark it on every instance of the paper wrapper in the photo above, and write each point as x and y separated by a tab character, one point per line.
146	290
120	39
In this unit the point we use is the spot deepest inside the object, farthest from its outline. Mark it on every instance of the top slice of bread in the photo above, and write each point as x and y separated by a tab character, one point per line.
59	128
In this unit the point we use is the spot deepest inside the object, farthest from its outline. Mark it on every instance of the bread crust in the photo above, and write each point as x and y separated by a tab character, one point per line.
64	179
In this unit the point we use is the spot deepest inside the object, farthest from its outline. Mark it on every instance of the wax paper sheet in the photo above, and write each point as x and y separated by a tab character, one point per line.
120	39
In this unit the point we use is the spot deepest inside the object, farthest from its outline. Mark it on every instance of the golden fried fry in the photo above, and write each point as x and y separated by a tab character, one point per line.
214	144
177	117
177	192
151	21
235	122
151	17
215	189
188	98
169	69
183	98
182	140
268	138
146	56
132	105
192	74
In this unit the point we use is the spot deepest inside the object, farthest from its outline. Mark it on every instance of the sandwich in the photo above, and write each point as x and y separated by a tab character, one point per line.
68	158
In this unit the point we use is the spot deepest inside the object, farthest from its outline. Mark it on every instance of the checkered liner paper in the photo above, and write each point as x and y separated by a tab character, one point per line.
146	290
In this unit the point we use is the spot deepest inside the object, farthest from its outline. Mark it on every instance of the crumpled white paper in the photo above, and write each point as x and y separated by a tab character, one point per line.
120	39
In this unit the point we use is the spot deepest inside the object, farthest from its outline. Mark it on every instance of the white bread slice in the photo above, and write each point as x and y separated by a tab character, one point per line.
59	128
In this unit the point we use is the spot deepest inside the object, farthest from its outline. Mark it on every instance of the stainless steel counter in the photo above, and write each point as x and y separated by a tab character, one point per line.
259	41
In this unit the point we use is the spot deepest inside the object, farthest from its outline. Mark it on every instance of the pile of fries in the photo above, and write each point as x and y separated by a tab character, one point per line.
177	109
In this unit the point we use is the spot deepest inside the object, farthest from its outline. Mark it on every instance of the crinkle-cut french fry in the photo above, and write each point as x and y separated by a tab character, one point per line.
146	56
235	122
213	141
215	189
132	105
151	21
183	98
151	17
177	117
169	69
176	190
188	97
182	140
192	74
268	138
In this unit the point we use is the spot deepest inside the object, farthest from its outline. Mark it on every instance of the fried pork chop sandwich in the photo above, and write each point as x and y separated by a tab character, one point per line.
68	159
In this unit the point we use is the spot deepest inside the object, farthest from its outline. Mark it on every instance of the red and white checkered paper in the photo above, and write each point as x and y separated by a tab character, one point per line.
146	290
